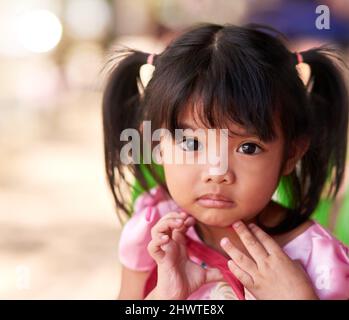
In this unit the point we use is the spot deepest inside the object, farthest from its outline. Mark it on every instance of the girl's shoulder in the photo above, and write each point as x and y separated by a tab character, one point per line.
136	233
325	259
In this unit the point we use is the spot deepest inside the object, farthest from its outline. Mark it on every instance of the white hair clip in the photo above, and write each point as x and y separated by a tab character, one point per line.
146	71
303	69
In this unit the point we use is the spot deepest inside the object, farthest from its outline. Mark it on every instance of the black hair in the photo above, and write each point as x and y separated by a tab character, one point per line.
244	74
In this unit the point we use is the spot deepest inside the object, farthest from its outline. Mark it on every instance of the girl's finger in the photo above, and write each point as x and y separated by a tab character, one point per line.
213	274
252	244
179	237
154	247
245	278
173	220
243	261
162	230
173	215
188	222
179	234
165	226
268	242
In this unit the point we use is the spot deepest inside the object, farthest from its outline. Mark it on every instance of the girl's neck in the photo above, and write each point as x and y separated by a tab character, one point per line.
211	235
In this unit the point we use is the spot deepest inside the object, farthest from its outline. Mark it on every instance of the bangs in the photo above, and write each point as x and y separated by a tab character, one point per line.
218	90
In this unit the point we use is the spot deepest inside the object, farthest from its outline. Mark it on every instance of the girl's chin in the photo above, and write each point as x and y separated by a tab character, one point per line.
214	221
218	225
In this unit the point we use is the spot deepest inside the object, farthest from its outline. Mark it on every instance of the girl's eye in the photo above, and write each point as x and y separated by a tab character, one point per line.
190	144
250	149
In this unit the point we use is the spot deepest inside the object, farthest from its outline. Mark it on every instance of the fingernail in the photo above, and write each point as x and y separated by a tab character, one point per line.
236	224
252	226
178	221
224	241
164	236
190	219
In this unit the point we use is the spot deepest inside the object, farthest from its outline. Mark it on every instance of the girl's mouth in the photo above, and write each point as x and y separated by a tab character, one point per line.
215	201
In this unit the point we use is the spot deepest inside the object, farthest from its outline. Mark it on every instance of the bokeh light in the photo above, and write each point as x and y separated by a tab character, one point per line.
38	30
87	19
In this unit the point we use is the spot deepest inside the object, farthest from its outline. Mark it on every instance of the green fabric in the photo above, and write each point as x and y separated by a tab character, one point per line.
342	224
323	211
283	192
137	189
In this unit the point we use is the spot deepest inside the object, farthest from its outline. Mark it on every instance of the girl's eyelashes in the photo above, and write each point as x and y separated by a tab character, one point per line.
193	144
250	148
190	144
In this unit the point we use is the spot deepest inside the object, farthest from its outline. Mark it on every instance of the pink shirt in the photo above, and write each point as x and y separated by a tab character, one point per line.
324	258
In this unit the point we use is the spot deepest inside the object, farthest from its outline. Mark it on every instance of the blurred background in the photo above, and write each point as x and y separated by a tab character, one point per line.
58	227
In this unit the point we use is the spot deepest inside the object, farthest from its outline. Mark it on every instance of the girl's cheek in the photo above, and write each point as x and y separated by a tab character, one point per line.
259	181
258	167
184	186
179	178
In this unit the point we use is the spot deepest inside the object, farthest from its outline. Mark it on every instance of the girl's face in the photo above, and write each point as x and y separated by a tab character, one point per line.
247	186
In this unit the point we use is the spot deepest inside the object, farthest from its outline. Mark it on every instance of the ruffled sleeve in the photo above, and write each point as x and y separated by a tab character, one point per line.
326	261
136	233
329	269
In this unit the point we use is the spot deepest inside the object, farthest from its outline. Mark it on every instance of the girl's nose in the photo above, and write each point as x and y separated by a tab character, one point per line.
226	178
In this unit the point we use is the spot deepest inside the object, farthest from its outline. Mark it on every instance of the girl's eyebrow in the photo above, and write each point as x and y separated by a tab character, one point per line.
230	132
243	135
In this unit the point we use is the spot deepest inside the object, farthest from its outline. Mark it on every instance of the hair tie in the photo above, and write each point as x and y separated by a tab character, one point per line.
303	69
146	71
299	57
150	59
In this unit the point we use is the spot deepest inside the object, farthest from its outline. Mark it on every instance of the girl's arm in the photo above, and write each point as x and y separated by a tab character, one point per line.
132	284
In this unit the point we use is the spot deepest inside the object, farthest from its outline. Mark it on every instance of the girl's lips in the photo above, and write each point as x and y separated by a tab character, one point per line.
215	201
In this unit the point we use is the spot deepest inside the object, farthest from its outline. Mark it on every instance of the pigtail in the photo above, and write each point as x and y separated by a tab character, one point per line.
122	109
323	165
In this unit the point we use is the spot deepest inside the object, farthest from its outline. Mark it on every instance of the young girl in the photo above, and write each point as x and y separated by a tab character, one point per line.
203	235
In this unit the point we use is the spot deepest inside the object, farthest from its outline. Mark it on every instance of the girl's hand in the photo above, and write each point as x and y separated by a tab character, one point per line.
178	276
270	273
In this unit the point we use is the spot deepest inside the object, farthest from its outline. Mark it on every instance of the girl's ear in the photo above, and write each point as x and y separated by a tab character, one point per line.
159	157
158	154
299	148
